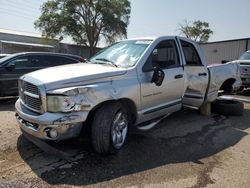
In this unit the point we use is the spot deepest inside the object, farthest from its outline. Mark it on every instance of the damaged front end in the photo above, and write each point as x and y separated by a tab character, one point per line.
63	119
66	111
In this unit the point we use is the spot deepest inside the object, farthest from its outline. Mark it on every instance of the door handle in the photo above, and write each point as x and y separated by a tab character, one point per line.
178	76
202	74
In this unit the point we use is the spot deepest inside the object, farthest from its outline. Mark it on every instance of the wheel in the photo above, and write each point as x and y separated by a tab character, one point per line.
109	128
227	107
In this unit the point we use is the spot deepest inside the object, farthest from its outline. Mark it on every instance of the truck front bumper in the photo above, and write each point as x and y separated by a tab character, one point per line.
50	126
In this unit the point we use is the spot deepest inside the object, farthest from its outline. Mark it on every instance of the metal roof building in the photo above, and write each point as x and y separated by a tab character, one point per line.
224	51
15	41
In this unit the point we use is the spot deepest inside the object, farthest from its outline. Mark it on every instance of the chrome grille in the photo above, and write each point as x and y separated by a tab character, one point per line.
32	102
30	96
245	70
31	88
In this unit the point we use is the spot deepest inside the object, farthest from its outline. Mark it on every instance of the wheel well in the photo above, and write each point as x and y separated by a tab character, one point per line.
227	85
127	103
130	106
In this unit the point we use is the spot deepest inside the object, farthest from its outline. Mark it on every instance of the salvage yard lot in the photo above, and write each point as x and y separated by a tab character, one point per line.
184	150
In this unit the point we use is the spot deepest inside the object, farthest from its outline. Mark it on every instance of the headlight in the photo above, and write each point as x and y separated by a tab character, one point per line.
57	103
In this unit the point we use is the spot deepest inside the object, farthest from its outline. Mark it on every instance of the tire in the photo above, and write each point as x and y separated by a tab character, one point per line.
109	128
227	107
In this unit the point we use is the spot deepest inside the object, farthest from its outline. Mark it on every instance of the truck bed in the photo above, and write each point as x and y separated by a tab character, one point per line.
218	74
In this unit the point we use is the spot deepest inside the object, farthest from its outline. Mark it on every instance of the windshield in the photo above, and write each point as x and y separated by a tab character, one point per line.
245	56
122	54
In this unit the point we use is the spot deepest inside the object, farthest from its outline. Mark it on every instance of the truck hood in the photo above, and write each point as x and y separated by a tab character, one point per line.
73	74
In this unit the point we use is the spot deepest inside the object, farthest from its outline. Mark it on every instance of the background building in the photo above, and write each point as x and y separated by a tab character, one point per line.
223	51
15	41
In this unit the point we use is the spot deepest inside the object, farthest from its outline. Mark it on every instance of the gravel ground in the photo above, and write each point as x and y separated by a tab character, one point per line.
184	150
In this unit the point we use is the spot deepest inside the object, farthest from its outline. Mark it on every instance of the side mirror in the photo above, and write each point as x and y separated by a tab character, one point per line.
10	66
158	76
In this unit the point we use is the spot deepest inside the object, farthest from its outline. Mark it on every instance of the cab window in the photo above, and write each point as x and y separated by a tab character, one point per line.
164	56
191	55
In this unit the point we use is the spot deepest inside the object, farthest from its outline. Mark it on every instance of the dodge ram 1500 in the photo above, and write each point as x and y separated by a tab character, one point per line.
132	82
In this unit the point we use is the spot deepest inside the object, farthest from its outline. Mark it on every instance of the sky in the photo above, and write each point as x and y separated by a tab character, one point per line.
229	19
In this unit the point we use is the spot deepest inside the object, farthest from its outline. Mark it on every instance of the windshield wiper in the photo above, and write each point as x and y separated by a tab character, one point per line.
107	60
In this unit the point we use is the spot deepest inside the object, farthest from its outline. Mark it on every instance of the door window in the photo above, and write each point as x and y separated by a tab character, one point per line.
164	56
51	61
70	61
36	61
21	62
190	53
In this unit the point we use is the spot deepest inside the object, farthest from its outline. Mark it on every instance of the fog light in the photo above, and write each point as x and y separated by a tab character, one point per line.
51	133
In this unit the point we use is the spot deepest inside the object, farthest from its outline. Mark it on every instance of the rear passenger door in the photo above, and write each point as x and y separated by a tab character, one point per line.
196	74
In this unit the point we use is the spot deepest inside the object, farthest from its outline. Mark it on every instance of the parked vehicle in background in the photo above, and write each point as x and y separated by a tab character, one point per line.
3	55
132	82
244	62
15	65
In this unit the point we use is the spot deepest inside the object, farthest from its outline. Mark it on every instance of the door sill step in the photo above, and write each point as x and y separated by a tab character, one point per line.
150	124
192	107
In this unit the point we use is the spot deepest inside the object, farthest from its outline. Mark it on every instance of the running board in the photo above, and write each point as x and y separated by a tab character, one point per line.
189	106
151	123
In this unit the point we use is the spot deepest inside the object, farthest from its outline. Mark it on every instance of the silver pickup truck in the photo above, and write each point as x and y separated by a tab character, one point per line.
244	62
132	82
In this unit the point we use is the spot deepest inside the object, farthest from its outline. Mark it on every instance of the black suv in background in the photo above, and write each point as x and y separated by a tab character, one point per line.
3	55
16	65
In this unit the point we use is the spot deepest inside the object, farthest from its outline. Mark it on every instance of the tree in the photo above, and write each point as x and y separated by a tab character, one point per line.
85	21
198	31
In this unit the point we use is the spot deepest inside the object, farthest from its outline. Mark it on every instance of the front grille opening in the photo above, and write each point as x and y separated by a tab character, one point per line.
27	123
31	88
30	95
32	102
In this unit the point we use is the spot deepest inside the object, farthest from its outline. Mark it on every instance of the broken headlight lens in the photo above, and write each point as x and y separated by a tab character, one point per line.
57	103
